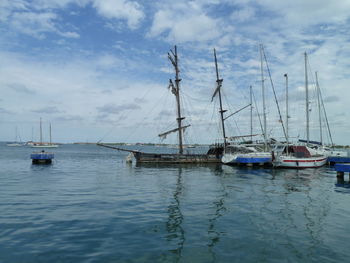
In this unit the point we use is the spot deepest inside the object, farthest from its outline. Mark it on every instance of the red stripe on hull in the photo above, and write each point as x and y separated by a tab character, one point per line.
299	167
304	161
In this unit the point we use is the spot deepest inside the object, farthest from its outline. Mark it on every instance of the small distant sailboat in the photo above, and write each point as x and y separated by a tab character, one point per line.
42	144
16	143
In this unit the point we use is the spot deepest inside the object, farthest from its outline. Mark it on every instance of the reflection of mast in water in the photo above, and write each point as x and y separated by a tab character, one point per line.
220	209
286	212
315	209
314	224
175	219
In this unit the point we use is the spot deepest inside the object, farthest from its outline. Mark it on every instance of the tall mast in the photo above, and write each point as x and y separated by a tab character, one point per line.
16	134
263	94
219	83
307	101
319	107
287	109
41	133
176	91
50	133
251	114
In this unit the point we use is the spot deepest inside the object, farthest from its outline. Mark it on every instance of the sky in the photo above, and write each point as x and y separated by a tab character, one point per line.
97	70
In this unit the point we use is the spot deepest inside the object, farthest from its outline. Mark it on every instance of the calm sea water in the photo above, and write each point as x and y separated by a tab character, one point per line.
90	206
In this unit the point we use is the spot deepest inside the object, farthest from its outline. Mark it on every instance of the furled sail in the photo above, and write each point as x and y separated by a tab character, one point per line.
218	86
165	134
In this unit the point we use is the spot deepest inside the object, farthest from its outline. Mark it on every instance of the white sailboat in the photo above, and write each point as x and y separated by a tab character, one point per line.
16	143
42	144
250	153
299	156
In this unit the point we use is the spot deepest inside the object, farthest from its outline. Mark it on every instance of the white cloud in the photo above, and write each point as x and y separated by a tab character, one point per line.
8	6
184	23
34	24
131	11
243	14
311	12
69	34
40	17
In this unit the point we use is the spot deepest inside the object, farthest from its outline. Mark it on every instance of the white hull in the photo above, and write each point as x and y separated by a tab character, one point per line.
294	162
45	146
228	158
14	144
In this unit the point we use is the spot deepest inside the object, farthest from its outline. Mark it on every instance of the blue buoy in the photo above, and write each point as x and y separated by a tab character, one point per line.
42	157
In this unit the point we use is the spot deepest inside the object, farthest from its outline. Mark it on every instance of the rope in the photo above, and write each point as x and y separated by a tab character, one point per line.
274	93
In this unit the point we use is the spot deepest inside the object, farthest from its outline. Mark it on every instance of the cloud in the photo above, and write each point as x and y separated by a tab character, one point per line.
47	110
140	100
331	99
33	23
243	14
43	16
69	34
165	114
117	109
4	111
311	12
8	6
69	118
131	11
184	23
21	88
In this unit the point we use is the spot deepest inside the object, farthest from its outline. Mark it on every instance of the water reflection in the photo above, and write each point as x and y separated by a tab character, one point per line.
210	166
220	209
174	227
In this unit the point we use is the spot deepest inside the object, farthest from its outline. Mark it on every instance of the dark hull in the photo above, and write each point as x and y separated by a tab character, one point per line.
176	158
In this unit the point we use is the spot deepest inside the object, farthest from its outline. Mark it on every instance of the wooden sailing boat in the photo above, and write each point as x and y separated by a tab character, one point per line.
212	156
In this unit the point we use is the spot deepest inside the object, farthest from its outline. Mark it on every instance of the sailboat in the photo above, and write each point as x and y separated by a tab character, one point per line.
251	153
319	147
299	156
212	156
16	143
42	144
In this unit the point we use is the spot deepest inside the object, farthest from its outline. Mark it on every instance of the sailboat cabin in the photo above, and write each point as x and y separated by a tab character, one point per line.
298	151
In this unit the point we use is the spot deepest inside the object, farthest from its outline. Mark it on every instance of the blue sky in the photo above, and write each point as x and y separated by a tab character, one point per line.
98	69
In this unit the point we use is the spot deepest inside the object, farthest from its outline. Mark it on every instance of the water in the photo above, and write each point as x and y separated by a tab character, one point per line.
90	206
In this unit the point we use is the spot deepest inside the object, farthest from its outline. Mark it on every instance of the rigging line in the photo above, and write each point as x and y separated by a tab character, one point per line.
192	98
162	98
217	121
274	93
108	132
325	114
187	110
257	110
235	121
317	88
